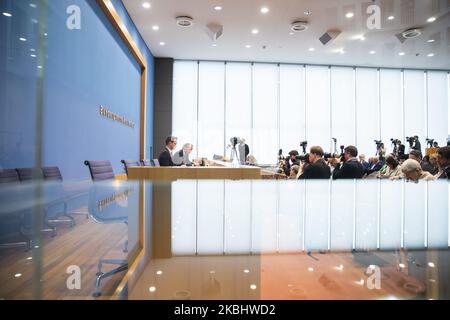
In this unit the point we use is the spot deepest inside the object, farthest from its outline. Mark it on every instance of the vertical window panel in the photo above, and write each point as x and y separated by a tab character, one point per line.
342	206
290	216
391	107
238	106
342	106
366	221
184	113
211	104
367	110
415	108
438	106
415	209
265	110
292	107
438	214
391	215
316	218
318	107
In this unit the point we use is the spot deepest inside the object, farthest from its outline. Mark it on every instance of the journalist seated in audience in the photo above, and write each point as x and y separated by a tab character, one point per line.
416	155
317	168
429	164
375	165
413	172
291	161
362	160
351	168
181	158
294	171
393	169
443	160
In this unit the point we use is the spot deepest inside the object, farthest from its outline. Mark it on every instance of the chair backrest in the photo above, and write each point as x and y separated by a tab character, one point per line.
52	173
130	163
100	170
146	163
156	163
28	174
8	176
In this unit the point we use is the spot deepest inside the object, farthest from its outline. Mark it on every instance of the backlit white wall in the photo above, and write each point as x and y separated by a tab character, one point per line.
277	106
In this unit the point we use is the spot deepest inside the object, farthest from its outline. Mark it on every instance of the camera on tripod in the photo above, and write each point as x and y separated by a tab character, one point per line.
430	142
327	156
396	142
304	144
411	141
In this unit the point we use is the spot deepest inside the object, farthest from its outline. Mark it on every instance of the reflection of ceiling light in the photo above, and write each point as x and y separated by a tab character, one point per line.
432	19
349	15
372	52
146	5
255	31
253	286
30	258
39	67
33	55
391	18
214	45
401	265
162	43
7	14
310	269
246	271
431	41
248	46
152	289
218	8
311	49
431	55
360	282
431	264
156	28
159	272
401	53
291	33
340	267
23	39
340	50
264	10
17	275
33	5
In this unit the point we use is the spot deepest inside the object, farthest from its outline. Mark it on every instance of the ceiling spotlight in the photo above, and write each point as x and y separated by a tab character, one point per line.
311	49
146	5
246	271
17	275
162	43
7	14
307	12
33	5
431	264
218	8
391	18
372	52
255	31
253	286
248	46
310	269
432	19
214	45
22	39
431	55
33	55
152	289
264	10
401	53
291	33
349	15
159	272
401	265
431	41
156	28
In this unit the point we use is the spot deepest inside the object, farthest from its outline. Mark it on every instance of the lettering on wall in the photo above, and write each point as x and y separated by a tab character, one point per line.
111	115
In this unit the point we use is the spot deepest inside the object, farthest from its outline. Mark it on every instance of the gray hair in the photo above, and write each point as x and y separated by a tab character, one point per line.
187	146
410	165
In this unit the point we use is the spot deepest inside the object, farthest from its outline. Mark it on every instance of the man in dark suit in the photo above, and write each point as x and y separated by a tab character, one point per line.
443	160
317	169
351	168
165	157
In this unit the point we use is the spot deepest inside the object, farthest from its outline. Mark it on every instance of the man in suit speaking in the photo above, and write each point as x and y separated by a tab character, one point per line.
165	157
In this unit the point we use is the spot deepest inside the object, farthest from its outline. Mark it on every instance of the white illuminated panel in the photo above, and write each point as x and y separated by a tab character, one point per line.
238	106
290	216
366	215
184	116
438	106
415	107
264	216
238	217
318	107
292	107
438	212
391	215
211	109
265	113
391	107
367	110
342	205
316	218
342	106
184	206
415	210
210	220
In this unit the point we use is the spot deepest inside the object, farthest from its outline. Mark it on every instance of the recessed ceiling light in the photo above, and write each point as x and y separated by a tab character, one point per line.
431	264
214	45
32	50
349	15
431	41
401	265
152	289
17	275
218	8
432	19
246	271
248	46
372	52
33	55
253	286
362	38
431	55
7	14
310	269
264	10
146	5
291	33
33	5
45	34
307	12
255	31
391	18
159	272
30	258
162	43
401	53
311	49
23	39
39	67
156	28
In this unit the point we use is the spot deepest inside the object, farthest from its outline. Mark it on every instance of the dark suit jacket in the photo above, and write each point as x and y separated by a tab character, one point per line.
165	159
317	170
351	169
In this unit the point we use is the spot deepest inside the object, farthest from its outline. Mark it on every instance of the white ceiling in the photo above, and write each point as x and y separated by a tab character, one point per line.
239	17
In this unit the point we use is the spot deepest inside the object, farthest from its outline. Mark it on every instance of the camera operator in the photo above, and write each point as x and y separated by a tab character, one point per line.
351	168
317	168
291	161
443	159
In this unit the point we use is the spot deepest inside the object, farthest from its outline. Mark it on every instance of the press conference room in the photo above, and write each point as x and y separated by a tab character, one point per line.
220	150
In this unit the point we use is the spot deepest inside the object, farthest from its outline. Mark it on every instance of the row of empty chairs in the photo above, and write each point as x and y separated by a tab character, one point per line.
29	174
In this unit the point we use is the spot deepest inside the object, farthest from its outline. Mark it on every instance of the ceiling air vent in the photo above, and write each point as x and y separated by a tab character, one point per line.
299	26
412	33
185	21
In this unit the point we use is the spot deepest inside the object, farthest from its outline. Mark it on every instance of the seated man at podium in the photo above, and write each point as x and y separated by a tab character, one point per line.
165	157
181	158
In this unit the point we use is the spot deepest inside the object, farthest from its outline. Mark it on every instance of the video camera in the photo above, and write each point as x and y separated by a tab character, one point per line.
327	156
396	142
411	141
304	144
430	142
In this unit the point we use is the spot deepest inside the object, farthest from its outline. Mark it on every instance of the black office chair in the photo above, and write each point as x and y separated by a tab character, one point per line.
156	163
130	163
52	173
100	170
29	174
146	163
14	223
